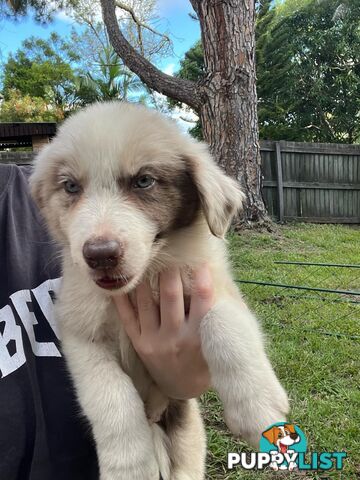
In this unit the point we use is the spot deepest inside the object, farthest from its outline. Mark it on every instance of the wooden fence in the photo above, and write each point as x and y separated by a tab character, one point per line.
311	182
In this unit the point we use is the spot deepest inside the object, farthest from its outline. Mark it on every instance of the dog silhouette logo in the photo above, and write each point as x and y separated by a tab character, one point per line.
284	441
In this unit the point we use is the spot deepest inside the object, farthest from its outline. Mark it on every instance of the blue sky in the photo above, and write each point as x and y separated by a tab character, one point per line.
175	19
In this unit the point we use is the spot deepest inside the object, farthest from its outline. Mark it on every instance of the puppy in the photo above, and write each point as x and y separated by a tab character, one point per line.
127	196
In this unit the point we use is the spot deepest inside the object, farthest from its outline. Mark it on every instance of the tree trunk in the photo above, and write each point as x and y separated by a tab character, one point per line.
228	110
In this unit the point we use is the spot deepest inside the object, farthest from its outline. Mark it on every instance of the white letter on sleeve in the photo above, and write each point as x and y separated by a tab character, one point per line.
20	300
10	363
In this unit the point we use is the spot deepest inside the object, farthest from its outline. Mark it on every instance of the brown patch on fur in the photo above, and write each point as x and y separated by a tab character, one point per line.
172	202
220	196
174	415
195	173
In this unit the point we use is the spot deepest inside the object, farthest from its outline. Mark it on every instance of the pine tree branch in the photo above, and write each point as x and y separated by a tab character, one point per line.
178	89
187	120
193	16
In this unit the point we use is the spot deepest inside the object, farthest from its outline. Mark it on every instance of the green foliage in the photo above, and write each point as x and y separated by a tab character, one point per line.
23	108
111	81
309	71
192	66
41	69
43	80
42	10
196	131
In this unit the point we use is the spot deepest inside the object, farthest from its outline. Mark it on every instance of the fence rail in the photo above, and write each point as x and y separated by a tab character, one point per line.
315	182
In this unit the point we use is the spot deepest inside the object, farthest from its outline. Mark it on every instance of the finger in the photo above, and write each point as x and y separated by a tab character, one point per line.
172	312
202	295
127	316
149	316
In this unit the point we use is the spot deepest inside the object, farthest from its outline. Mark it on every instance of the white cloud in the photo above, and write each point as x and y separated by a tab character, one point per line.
62	16
170	68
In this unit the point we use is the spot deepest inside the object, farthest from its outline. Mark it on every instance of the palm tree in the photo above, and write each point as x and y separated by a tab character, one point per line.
112	81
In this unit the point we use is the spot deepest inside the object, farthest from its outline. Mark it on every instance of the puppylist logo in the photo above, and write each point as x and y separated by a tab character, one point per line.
283	447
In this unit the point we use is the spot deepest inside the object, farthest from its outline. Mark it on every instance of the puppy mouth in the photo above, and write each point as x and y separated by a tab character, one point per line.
112	283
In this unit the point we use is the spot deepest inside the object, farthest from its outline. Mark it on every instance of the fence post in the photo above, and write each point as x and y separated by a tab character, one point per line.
280	186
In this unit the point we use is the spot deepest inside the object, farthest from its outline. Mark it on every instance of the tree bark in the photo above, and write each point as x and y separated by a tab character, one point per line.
228	112
225	99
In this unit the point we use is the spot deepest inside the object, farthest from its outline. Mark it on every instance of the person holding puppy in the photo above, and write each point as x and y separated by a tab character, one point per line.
43	435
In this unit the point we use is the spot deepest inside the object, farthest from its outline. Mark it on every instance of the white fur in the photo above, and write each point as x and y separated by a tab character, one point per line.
99	145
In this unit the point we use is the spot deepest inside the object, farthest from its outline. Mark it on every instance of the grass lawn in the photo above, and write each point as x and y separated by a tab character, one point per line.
312	339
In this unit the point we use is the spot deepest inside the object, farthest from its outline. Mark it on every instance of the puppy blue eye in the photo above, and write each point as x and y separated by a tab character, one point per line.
70	186
144	181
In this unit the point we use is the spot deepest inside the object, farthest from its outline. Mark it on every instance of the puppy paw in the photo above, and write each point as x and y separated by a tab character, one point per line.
248	416
135	461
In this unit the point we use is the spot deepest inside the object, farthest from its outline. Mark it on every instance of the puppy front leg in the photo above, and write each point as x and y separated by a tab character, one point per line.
240	371
116	412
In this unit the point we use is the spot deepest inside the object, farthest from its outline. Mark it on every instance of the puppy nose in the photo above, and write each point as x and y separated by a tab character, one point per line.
101	253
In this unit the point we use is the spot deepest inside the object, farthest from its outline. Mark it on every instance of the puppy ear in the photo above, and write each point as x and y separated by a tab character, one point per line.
221	197
270	434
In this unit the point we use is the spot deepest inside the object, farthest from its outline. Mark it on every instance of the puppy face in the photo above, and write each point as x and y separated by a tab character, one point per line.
282	436
117	180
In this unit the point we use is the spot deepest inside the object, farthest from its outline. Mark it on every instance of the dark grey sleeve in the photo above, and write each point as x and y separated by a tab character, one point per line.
27	253
43	435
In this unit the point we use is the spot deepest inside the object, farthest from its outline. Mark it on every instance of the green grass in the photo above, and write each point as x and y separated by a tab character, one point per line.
312	340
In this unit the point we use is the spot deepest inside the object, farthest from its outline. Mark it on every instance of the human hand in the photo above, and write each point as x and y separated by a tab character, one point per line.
165	338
